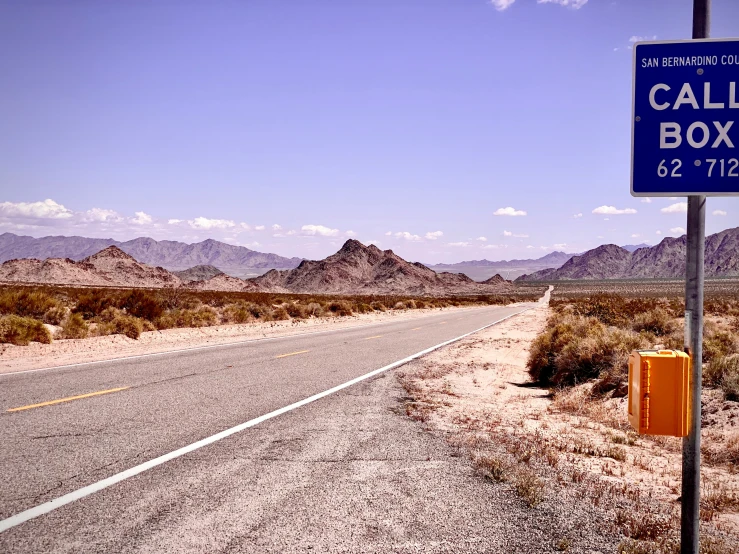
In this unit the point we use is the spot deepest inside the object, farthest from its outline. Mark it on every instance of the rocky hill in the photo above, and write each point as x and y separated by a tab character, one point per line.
109	267
223	282
115	265
172	255
665	260
198	273
360	269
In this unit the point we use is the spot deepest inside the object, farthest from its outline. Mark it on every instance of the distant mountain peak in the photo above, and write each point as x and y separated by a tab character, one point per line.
109	253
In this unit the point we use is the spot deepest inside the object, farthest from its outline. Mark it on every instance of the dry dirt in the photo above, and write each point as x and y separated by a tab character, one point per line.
70	351
477	394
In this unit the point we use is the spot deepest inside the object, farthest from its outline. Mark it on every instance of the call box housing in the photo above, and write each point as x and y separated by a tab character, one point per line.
659	392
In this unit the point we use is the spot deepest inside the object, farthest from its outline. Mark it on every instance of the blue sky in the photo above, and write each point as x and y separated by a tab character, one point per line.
289	126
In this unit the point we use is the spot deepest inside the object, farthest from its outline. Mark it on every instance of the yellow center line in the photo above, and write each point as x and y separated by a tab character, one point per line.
292	354
442	323
67	399
375	337
416	329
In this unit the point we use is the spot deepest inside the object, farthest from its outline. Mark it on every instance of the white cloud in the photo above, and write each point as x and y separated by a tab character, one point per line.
719	212
206	224
560	245
510	234
276	227
259	228
102	215
174	221
509	211
482	239
612	210
677	230
491	246
646	200
635	236
501	5
319	230
658	232
48	209
678	208
458	244
141	218
245	226
574	4
389	234
433	235
350	234
375	242
576	216
407	236
529	246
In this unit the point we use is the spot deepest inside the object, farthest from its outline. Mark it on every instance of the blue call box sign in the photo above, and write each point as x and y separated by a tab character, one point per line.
685	124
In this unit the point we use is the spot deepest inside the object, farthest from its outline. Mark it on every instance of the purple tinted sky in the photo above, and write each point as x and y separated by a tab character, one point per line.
188	120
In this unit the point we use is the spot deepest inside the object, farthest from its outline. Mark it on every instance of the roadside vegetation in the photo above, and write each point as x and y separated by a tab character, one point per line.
572	440
75	313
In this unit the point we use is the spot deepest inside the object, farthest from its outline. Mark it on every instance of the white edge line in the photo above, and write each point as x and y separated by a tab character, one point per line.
68	498
222	345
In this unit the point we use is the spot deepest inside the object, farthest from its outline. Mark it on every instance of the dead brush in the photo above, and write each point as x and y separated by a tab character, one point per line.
492	466
641	524
529	486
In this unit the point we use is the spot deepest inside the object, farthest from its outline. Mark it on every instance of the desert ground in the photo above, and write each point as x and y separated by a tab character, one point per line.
546	443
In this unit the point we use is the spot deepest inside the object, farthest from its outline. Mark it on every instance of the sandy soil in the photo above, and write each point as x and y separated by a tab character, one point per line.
71	351
477	394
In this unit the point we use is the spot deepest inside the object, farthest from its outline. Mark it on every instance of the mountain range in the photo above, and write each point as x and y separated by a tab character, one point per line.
665	260
354	269
172	255
480	270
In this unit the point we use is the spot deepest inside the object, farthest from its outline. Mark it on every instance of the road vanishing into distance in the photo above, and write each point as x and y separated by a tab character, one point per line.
236	448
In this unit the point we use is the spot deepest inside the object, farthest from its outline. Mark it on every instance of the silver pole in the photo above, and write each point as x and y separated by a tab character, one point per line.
694	274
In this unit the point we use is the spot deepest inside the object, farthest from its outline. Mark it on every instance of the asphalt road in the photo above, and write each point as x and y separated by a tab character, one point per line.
323	475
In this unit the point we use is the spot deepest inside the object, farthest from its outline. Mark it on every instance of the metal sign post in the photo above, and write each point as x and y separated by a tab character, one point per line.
694	274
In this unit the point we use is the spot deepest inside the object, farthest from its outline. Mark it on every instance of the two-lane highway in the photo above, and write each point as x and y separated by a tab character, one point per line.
69	429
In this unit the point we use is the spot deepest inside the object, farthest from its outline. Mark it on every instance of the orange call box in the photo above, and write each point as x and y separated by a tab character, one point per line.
659	392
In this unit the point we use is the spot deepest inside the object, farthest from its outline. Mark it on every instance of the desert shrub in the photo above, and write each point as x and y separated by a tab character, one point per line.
20	331
279	314
658	321
574	349
399	306
74	327
296	311
236	313
340	307
258	310
204	316
142	304
378	306
93	303
55	315
314	309
717	344
362	308
420	304
411	304
113	321
723	371
27	302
